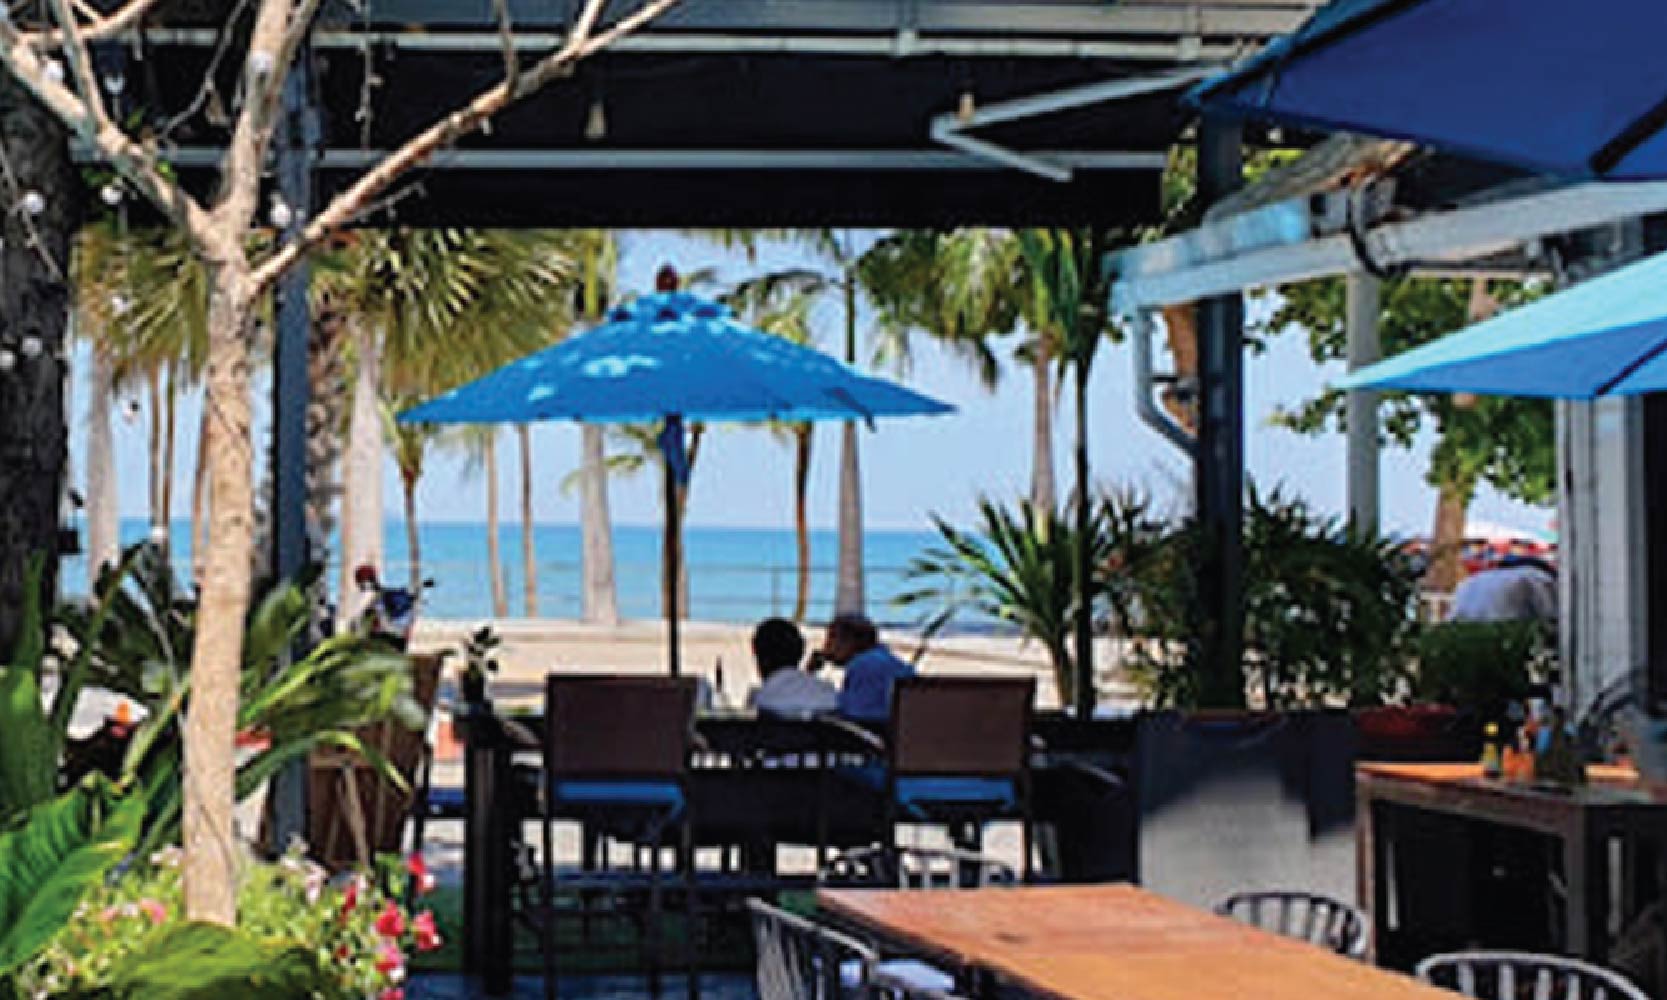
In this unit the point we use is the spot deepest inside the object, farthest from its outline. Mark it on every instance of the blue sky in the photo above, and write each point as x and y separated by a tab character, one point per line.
913	468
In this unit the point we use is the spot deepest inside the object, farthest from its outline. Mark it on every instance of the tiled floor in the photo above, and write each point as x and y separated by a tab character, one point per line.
727	986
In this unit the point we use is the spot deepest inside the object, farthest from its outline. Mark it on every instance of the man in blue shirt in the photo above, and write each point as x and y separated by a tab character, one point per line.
870	668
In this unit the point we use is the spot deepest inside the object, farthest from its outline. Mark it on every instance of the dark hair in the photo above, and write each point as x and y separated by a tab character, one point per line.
777	644
857	628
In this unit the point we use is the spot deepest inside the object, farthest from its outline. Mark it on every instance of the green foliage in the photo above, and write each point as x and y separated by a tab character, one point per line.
1481	665
52	856
195	961
298	935
28	765
1503	441
1018	566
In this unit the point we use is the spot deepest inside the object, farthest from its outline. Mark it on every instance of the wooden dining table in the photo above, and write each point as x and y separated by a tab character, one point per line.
1110	942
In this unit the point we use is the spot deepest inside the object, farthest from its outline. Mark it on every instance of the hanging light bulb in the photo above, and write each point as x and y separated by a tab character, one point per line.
32	203
8	360
53	70
596	122
111	194
261	63
280	214
115	82
31	347
158	535
967	108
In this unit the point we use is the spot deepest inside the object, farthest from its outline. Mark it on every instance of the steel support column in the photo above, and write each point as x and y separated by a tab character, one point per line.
295	147
1217	651
1361	413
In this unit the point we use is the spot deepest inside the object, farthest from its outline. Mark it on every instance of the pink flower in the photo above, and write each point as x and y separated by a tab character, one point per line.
419	871
391	993
390	923
108	914
154	910
389	961
428	936
350	897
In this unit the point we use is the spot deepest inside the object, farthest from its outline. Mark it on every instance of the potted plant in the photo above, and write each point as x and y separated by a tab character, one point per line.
479	664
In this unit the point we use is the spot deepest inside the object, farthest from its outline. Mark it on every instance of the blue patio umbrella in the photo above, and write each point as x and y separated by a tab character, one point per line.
673	357
1606	336
1572	87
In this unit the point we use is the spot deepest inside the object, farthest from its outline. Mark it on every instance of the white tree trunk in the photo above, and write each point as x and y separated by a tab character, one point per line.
494	551
529	545
1042	491
361	527
103	519
211	853
601	602
848	595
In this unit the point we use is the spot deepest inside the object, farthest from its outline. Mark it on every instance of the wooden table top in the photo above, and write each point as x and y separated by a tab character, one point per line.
1114	942
1607	785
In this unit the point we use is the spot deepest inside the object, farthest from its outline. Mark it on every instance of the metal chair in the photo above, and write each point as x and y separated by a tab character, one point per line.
888	987
616	758
959	753
1508	975
800	959
1306	916
916	868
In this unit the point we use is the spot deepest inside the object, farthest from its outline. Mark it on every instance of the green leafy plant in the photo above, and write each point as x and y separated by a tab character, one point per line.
1480	665
299	935
1018	566
480	662
52	856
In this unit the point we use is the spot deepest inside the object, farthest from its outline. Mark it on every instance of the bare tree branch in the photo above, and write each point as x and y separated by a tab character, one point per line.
421	148
81	66
280	28
135	162
585	23
506	35
98	27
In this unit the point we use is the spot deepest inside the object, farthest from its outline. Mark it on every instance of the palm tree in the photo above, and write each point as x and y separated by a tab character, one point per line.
410	444
480	444
597	251
781	304
636	448
529	548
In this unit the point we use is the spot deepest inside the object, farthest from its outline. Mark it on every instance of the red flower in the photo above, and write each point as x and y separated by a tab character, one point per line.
350	897
390	923
420	873
154	910
428	936
392	993
389	960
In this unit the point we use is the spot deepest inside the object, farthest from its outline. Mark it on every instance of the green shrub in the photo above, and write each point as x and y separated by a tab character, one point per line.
1480	665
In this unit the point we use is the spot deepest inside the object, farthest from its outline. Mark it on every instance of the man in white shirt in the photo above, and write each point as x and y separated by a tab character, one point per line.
1518	589
778	647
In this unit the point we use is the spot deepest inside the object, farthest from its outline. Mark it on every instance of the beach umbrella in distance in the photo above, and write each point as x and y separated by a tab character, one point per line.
1603	337
1578	89
675	358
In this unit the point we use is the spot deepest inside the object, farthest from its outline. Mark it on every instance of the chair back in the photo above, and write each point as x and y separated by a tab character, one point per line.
618	727
1306	916
961	726
917	868
1507	975
799	959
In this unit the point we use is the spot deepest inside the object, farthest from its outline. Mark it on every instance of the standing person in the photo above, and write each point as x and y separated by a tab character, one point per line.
778	647
1519	588
871	668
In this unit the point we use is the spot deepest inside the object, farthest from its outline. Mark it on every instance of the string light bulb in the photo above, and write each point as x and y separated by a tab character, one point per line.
967	108
32	203
8	360
596	122
111	194
53	70
31	347
280	214
115	82
261	63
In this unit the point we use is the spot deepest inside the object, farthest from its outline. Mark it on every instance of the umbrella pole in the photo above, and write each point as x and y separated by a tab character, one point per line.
674	557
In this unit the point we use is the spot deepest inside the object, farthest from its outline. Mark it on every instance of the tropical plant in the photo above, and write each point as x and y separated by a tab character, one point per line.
300	935
1482	666
1017	566
480	449
51	856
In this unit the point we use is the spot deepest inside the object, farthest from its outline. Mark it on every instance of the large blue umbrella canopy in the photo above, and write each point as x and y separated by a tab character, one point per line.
673	354
1606	336
673	357
1573	87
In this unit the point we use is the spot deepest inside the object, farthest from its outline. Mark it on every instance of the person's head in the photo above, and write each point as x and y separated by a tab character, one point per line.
777	644
848	635
365	577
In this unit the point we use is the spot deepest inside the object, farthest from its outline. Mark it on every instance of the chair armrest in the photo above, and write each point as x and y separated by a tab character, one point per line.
519	736
854	732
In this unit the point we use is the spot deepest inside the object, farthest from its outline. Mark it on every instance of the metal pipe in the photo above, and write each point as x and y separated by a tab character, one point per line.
1146	407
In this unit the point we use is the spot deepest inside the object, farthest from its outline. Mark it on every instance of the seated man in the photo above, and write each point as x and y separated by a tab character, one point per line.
777	647
870	668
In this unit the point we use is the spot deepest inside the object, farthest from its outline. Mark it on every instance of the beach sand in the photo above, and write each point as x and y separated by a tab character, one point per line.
533	648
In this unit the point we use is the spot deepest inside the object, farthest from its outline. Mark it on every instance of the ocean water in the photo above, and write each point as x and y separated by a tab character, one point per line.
735	574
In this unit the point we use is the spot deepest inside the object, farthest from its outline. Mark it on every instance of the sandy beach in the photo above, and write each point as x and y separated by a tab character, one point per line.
533	648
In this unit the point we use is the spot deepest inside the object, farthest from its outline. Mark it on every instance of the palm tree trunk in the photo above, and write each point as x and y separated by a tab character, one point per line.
802	439
326	425
848	591
1082	693
413	537
529	546
103	520
158	522
494	552
211	850
170	437
34	302
601	601
362	529
1042	492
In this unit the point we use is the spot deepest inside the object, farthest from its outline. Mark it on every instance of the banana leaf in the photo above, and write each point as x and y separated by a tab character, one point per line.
197	961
